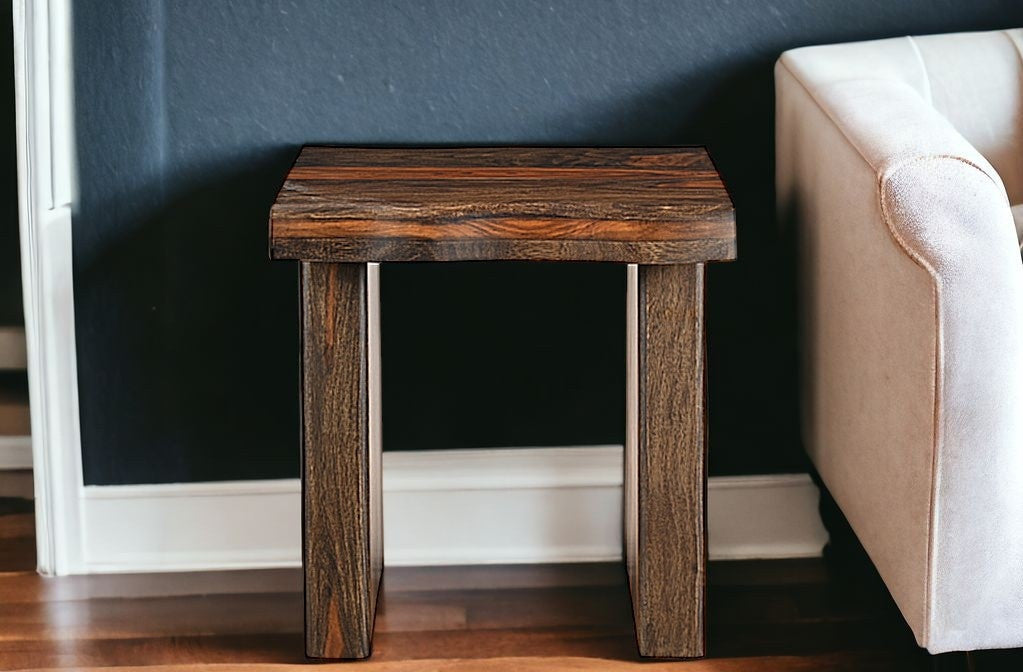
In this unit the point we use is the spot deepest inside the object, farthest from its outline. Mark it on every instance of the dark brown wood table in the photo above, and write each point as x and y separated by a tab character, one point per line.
664	212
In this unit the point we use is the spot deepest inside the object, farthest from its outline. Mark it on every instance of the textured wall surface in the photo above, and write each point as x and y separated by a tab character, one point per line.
188	114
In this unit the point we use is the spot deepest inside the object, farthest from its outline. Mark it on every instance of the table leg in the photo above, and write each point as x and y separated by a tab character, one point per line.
341	487
665	459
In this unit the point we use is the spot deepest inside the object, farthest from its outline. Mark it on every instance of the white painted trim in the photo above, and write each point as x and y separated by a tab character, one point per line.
15	452
45	132
12	349
503	469
525	505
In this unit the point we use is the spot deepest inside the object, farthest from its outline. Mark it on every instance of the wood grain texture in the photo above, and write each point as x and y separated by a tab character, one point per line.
824	663
665	484
341	479
651	206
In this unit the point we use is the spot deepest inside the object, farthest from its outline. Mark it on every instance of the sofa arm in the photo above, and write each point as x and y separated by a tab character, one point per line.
913	332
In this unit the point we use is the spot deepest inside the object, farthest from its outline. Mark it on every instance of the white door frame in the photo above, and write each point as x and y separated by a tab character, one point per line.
45	141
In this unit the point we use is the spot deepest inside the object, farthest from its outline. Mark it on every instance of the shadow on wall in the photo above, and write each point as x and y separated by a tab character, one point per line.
219	340
751	307
200	340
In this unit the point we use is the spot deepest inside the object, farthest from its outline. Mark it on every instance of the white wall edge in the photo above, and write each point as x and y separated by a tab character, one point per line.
44	139
499	506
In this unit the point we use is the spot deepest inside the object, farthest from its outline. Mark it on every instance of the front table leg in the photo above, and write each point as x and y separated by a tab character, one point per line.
665	457
341	488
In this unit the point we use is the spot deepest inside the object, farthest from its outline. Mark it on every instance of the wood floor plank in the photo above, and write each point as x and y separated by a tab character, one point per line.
476	623
26	586
152	617
823	663
762	616
153	651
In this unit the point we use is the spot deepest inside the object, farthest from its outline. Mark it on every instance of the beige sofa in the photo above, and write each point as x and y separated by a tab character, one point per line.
899	161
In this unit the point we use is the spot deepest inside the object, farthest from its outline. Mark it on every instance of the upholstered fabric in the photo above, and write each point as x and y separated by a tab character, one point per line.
891	157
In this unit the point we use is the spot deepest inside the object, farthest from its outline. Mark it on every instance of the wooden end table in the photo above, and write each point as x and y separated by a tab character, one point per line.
664	212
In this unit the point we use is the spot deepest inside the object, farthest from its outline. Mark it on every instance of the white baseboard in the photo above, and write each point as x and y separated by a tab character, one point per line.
15	452
440	508
12	349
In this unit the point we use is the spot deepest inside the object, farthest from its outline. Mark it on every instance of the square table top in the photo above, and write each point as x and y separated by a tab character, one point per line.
626	205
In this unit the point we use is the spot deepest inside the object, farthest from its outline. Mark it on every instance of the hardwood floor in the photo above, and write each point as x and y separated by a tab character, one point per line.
763	616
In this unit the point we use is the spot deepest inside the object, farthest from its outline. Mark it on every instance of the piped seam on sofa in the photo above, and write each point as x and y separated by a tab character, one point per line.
938	389
939	369
882	176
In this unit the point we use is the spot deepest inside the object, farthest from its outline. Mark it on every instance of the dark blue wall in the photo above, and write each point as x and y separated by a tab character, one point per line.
10	267
188	114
